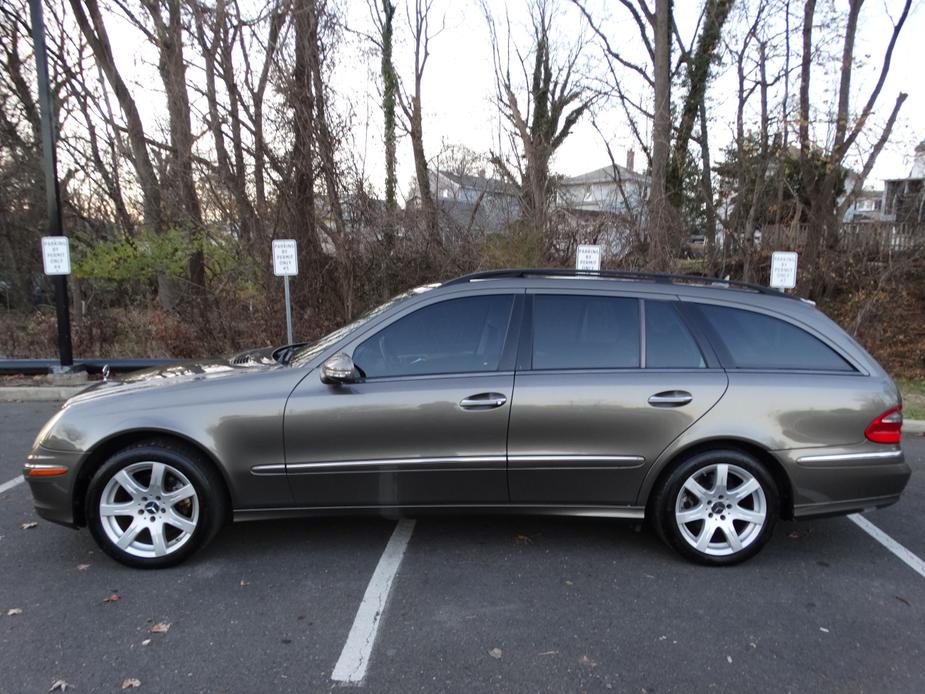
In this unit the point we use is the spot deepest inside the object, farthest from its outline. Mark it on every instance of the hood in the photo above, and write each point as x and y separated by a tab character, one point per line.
184	372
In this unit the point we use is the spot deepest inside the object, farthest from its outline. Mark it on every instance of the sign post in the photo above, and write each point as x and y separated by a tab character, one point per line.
784	269
588	257
52	196
286	265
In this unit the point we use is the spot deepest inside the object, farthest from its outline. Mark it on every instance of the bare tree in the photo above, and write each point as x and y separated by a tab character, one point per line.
539	121
410	101
820	183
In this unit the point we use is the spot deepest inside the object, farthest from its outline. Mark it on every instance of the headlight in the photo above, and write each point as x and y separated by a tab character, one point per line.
46	430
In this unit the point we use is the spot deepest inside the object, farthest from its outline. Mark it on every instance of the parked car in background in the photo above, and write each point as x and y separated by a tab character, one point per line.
706	407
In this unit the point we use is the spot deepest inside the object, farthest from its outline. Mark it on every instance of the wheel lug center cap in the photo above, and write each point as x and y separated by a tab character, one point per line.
152	507
718	507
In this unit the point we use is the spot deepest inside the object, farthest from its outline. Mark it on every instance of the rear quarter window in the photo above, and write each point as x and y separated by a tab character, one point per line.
757	341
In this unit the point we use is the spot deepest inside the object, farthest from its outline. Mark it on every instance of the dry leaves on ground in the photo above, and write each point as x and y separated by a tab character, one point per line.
83	567
28	525
115	597
146	642
160	628
495	653
13	611
523	539
587	662
131	683
60	686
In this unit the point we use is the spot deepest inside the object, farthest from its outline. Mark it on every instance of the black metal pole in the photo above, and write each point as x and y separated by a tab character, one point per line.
50	166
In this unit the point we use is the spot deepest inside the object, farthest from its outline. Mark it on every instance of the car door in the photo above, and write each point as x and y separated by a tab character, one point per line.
426	425
604	383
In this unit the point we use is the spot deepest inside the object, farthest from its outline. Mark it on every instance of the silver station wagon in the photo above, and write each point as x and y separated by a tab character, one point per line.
708	408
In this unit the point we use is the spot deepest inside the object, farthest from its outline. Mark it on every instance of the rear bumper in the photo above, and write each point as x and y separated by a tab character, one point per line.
840	508
835	481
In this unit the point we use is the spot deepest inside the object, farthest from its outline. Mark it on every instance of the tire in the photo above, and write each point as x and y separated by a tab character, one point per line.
693	499
159	524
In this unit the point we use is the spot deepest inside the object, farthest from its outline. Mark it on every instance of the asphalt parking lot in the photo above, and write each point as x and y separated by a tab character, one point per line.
477	604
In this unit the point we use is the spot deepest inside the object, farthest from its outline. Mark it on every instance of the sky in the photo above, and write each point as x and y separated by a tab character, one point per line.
459	87
459	83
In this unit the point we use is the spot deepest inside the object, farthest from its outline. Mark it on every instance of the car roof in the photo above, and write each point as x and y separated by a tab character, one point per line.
630	281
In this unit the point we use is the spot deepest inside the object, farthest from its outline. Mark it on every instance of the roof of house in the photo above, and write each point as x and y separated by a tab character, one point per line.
480	183
605	174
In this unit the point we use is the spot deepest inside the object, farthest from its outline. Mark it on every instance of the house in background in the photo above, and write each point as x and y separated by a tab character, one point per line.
605	205
475	202
867	207
904	198
612	189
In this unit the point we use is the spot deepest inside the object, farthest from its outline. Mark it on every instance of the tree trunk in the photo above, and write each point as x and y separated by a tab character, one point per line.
659	232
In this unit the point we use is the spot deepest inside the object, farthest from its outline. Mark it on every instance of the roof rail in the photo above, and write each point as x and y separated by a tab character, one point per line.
661	277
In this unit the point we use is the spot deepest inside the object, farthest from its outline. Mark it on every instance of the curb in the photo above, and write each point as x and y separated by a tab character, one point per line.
914	426
38	393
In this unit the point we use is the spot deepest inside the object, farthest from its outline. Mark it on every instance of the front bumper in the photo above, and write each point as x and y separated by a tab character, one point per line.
53	497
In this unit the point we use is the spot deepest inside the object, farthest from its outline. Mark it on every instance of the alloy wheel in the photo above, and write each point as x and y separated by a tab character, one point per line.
721	509
149	509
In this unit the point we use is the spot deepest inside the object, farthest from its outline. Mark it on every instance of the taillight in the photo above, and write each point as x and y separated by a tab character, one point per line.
887	428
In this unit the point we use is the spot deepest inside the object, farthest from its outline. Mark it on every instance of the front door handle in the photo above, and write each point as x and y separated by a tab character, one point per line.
483	401
670	398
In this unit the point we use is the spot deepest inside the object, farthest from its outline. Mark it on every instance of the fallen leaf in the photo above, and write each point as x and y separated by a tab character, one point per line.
160	628
523	539
13	611
115	597
824	629
60	686
83	567
146	642
131	683
569	583
587	662
245	584
29	525
794	534
729	659
495	652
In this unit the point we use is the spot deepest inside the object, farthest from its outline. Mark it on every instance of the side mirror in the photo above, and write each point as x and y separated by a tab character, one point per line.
338	369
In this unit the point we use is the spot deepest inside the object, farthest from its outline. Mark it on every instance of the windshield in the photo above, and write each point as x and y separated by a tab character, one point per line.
313	349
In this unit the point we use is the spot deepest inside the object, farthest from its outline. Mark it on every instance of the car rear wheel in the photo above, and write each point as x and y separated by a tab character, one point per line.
717	507
154	504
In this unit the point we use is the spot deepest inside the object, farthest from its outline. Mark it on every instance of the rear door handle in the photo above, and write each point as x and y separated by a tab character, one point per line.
483	401
670	398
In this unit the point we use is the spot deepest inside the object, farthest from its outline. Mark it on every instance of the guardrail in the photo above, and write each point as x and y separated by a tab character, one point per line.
43	366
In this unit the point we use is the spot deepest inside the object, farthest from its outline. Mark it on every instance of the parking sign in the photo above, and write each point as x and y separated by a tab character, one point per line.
588	257
285	259
56	255
784	269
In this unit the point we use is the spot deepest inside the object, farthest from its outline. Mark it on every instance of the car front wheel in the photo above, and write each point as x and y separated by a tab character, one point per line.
717	507
154	504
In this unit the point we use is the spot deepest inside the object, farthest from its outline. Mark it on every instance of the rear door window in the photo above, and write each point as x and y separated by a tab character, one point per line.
669	344
757	341
572	331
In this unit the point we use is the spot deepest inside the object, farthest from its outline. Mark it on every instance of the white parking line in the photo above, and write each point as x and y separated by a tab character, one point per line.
12	483
354	658
904	554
